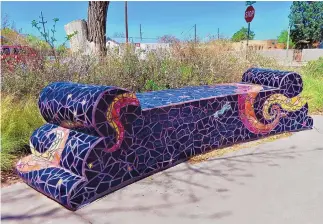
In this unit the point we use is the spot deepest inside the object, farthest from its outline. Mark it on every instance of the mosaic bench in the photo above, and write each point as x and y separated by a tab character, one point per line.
101	138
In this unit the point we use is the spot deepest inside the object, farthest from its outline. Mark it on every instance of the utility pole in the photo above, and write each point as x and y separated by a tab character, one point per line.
195	32
248	35
248	40
218	33
140	33
126	19
288	34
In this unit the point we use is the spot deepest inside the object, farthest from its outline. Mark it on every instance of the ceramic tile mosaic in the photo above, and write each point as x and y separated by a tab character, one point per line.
101	138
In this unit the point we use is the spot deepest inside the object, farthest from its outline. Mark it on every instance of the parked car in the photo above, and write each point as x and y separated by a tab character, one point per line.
12	56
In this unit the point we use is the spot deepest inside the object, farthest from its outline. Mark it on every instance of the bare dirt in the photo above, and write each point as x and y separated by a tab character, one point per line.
9	178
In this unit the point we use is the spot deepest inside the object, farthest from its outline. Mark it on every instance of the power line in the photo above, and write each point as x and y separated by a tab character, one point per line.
154	38
188	30
134	37
182	32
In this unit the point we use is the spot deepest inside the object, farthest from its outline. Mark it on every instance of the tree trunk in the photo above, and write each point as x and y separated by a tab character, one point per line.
96	25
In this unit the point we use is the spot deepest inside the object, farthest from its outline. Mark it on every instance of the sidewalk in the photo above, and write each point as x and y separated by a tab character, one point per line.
275	182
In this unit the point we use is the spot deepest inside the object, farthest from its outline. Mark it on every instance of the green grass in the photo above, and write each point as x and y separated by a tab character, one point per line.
312	75
313	93
19	118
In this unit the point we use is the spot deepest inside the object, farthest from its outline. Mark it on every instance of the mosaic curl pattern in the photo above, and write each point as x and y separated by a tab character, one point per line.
101	138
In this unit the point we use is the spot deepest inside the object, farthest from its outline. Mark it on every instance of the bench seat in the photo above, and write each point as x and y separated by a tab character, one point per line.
98	139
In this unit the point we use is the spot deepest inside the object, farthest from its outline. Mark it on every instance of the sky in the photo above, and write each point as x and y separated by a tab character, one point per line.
157	18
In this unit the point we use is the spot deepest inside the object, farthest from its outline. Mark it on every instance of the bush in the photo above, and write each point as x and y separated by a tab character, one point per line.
186	64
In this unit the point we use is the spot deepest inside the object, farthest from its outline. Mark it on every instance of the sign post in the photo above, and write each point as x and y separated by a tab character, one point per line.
248	35
248	16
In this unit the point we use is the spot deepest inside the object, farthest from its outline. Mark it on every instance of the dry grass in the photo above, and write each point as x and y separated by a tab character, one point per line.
186	64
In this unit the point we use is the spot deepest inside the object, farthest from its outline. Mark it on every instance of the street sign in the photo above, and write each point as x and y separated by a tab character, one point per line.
249	14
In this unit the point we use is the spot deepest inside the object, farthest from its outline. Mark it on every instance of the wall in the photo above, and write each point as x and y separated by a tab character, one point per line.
112	44
255	44
284	56
278	54
311	54
145	48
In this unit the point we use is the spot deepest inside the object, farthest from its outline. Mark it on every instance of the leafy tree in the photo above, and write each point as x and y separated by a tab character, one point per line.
168	39
250	3
282	38
306	21
242	34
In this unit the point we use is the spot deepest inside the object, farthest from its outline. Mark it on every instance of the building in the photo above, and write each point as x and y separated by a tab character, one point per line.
152	46
112	43
258	45
142	49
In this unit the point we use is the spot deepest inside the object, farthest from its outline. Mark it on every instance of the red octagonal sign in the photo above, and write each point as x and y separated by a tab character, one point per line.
249	14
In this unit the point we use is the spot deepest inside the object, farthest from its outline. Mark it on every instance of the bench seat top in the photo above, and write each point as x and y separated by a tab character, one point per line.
167	97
